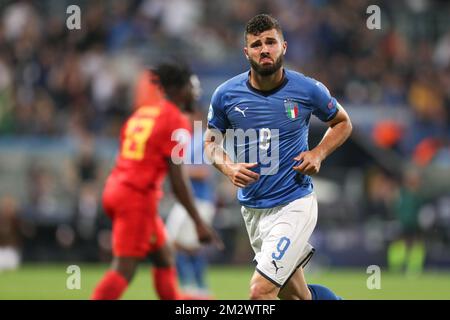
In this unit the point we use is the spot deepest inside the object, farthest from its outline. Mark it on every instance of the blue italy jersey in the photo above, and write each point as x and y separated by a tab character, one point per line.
237	105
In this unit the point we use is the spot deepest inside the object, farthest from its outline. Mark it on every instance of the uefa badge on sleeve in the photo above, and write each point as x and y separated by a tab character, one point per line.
292	109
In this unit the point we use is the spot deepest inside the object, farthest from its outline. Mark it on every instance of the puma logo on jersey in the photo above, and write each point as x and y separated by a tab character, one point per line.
241	111
276	267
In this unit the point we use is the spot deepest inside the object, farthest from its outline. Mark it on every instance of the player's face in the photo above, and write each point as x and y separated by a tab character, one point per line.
265	51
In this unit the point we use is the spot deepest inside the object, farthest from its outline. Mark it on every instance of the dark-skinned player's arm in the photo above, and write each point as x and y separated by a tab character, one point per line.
339	129
238	173
182	191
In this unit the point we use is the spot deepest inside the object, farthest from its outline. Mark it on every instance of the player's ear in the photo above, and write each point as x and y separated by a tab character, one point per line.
246	52
284	47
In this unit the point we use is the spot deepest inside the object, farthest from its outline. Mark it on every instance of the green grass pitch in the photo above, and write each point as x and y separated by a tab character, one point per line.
48	281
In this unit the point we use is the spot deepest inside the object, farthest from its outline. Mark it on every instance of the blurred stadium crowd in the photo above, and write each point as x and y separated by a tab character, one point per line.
64	94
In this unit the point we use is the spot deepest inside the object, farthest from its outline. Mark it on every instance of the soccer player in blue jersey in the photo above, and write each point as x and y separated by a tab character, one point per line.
278	203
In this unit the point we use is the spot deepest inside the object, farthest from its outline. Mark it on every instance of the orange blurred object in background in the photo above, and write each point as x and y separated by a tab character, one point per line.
387	133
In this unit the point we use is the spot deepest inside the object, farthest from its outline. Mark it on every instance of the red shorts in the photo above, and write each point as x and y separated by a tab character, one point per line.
137	228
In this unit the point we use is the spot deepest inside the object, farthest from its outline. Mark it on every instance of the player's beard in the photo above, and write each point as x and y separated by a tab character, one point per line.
265	71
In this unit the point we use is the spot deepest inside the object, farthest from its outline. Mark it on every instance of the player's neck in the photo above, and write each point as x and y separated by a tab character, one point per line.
266	83
174	99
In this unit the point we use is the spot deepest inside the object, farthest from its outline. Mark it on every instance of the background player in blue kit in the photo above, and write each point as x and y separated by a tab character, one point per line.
191	258
278	203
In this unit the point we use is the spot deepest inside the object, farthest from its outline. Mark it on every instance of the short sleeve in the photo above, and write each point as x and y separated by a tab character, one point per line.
178	135
324	105
217	118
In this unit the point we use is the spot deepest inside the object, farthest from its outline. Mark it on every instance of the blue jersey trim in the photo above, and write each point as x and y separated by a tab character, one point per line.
333	115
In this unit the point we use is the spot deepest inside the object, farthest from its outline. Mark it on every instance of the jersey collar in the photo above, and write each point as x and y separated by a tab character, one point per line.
269	92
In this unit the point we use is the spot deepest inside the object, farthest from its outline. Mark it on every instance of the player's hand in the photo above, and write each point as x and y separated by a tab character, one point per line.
241	175
310	162
207	235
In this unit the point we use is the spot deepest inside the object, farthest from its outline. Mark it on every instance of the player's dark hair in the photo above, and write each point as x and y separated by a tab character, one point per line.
172	75
261	23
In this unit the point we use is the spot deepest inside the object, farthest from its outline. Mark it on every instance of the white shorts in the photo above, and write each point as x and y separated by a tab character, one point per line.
279	237
181	228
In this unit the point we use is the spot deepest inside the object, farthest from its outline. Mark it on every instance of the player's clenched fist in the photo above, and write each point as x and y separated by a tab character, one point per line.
241	175
310	162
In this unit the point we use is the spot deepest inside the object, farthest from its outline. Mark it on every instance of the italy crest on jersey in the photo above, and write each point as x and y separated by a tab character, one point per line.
291	109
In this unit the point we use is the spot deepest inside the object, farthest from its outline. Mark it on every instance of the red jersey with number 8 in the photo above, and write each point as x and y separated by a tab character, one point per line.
133	189
147	141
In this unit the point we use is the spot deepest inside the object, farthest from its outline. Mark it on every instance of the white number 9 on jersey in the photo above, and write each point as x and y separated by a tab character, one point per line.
264	138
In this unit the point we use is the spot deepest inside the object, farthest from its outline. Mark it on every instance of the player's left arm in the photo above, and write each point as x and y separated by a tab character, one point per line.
181	188
339	129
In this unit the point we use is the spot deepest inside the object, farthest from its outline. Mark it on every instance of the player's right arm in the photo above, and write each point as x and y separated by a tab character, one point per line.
238	173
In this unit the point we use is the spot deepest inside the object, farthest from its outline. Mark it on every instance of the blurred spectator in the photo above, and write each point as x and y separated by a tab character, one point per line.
407	254
10	239
88	190
74	75
387	134
441	55
42	197
380	190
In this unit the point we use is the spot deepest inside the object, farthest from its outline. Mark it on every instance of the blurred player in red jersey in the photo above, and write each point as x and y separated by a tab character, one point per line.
134	187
